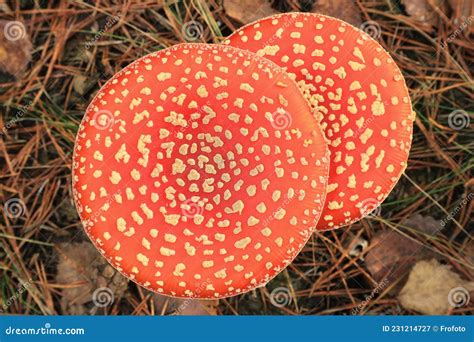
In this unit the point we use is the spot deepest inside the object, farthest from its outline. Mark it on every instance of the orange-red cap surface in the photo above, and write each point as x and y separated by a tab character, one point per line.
357	93
199	171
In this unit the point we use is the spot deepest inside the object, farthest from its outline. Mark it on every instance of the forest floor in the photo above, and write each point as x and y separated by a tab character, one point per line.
68	51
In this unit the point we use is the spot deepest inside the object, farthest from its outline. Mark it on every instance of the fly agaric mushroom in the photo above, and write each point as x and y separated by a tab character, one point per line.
357	93
199	171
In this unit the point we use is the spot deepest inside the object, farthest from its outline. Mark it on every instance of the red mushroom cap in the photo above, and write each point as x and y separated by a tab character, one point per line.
357	93
199	171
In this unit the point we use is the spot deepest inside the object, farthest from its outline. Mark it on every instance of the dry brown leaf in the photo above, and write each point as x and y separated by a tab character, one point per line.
392	255
424	12
345	10
82	271
247	11
424	224
431	289
196	307
15	48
